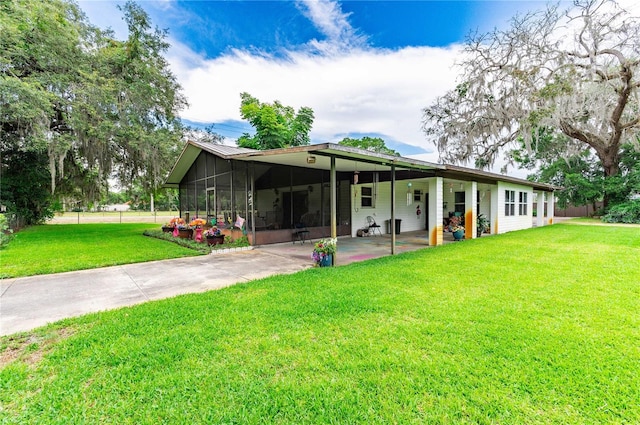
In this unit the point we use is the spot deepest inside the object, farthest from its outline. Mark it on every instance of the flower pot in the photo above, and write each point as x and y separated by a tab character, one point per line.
185	233
326	261
458	235
215	240
167	229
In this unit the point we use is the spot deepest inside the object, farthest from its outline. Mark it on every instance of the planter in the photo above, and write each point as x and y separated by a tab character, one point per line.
458	235
326	261
167	229
215	240
185	233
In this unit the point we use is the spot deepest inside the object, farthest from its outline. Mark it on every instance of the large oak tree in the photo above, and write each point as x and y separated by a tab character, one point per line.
95	108
573	73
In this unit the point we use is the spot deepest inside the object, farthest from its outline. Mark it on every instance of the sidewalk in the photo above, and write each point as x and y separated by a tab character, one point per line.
30	302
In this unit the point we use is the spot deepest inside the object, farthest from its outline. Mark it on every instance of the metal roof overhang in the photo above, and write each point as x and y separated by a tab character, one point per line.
187	157
347	159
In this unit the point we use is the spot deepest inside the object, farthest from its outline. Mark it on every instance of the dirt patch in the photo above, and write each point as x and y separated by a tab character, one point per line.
30	348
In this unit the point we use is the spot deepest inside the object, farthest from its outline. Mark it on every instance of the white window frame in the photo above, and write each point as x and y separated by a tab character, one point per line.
509	203
522	203
369	197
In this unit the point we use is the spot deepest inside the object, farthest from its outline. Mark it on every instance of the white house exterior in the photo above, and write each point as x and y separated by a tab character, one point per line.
334	188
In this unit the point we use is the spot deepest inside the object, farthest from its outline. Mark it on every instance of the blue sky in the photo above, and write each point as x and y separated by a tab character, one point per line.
364	67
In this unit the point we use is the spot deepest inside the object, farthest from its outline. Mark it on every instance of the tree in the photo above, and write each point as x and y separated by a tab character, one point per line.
574	74
372	144
24	189
277	126
96	107
580	175
203	135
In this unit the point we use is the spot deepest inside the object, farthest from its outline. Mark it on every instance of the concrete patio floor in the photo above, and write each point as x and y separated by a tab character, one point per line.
356	249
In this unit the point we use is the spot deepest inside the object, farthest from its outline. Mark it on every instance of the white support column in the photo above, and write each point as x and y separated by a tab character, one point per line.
392	222
435	211
470	214
540	209
551	205
333	180
495	209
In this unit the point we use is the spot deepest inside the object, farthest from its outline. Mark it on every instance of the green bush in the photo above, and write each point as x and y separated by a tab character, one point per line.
199	246
187	243
6	234
627	212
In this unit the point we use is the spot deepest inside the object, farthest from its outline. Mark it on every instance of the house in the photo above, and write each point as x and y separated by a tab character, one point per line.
332	189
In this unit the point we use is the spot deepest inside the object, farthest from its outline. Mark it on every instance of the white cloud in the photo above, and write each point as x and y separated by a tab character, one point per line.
363	91
328	18
350	87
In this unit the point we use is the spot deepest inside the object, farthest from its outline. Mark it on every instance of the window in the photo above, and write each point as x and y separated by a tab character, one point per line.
459	202
522	205
509	202
366	197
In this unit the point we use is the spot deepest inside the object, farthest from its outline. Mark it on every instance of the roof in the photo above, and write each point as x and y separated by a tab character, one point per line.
347	159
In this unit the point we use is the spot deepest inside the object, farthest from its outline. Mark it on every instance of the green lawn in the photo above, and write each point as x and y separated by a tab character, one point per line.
537	326
67	247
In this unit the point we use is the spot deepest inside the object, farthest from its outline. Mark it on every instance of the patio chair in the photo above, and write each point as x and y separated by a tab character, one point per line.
373	226
300	233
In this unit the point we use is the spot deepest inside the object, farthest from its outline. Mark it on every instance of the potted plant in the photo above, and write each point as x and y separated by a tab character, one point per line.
180	228
172	224
183	231
323	251
214	236
482	224
456	227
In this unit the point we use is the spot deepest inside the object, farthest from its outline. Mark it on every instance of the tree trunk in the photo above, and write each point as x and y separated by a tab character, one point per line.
610	159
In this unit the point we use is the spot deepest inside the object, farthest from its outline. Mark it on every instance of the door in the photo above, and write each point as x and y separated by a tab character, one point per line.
211	204
294	207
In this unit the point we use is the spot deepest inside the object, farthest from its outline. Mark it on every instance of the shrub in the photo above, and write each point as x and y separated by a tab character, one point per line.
626	212
6	234
187	243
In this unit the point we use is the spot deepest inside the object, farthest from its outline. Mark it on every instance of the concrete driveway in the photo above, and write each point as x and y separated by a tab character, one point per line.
30	302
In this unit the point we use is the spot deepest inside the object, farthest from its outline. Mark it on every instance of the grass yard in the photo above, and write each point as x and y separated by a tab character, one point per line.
66	247
537	327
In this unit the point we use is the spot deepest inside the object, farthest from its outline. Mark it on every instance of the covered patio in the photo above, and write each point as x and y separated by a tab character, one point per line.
355	249
330	190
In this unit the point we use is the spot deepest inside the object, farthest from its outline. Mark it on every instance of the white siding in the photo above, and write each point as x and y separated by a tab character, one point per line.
381	211
515	222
